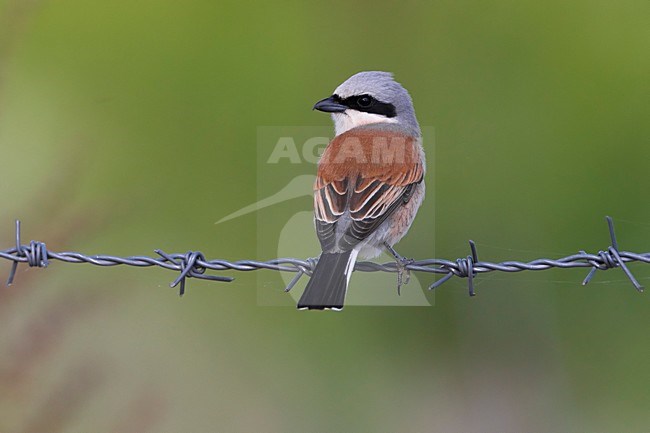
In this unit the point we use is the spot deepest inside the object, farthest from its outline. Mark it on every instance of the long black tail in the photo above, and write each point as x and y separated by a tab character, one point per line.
329	281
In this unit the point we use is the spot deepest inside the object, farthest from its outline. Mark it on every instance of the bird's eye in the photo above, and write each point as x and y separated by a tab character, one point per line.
364	101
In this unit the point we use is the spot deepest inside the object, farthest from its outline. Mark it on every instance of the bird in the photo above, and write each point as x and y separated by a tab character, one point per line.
369	183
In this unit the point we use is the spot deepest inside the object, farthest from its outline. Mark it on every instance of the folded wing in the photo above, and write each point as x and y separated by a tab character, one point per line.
358	186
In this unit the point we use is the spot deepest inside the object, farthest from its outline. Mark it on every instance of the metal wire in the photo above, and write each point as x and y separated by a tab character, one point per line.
193	264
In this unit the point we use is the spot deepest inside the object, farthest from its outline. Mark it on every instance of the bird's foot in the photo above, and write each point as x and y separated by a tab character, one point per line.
403	273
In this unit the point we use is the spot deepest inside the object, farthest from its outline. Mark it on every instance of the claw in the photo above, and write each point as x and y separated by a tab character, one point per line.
403	274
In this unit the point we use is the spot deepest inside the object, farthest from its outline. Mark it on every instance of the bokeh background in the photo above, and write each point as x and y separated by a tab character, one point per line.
127	126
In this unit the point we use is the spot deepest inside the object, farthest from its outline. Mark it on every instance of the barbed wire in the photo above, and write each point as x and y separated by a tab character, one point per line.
193	264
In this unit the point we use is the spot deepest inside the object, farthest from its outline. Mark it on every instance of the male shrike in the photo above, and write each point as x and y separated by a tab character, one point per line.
369	184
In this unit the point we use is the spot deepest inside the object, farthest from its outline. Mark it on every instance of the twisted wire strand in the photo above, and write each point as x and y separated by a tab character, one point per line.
193	264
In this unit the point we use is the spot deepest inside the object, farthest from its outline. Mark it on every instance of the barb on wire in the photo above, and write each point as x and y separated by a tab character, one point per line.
611	258
193	264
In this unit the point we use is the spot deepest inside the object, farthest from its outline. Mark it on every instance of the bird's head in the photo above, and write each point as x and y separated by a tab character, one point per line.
370	97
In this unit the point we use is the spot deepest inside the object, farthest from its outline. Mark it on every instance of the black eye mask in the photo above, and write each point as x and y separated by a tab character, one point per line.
367	104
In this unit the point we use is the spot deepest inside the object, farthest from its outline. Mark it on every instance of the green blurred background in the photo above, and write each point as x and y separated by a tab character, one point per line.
127	126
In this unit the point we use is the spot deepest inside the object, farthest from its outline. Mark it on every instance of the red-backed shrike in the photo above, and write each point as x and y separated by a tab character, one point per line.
369	184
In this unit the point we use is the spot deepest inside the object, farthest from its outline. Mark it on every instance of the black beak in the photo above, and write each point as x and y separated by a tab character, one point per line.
330	105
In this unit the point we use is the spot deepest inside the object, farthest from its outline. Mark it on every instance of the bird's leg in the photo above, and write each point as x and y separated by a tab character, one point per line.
403	274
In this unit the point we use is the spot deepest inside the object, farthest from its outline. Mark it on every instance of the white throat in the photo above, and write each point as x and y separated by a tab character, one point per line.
352	118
